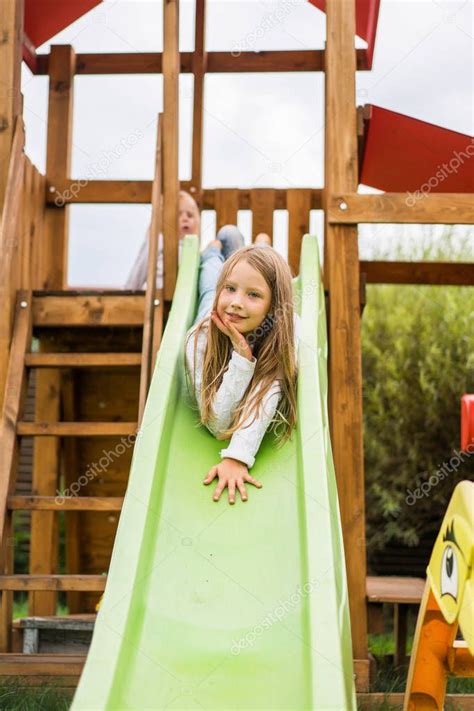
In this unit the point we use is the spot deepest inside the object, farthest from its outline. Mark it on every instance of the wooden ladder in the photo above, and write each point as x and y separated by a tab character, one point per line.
35	313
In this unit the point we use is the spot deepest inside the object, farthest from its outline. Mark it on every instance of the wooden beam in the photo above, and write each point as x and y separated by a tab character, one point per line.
38	665
11	33
63	191
347	208
75	429
341	266
94	310
432	273
171	68
89	583
65	503
305	60
139	191
199	65
58	162
82	360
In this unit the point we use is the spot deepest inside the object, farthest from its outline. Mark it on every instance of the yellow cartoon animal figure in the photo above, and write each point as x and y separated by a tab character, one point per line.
446	608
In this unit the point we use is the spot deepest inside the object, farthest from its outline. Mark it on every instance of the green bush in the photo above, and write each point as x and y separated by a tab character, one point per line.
418	360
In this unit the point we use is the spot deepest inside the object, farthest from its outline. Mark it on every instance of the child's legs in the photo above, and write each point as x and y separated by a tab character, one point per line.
232	239
210	267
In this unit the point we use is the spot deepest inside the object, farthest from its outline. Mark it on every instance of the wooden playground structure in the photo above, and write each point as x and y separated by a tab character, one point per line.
105	341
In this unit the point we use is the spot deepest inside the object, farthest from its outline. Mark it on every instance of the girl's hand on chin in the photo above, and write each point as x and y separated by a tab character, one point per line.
239	342
231	473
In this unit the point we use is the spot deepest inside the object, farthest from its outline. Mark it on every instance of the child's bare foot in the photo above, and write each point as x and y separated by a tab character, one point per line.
263	238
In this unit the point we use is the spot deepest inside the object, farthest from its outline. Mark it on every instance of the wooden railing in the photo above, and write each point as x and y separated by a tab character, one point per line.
153	317
21	231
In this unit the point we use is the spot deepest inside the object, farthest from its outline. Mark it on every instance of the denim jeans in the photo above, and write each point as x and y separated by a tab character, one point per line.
210	266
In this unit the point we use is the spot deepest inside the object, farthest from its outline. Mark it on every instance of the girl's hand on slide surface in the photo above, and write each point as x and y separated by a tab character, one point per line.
231	473
238	339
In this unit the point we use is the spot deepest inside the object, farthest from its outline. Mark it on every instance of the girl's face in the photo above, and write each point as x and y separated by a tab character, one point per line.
245	293
189	218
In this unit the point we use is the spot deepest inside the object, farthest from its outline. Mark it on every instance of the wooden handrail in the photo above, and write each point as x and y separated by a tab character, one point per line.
151	333
8	246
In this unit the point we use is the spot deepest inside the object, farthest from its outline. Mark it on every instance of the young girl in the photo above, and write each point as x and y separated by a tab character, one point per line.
189	223
242	357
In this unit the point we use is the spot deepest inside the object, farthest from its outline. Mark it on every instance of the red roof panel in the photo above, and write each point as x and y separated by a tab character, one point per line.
45	18
406	154
367	12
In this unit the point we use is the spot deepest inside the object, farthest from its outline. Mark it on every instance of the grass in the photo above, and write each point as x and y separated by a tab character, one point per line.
46	698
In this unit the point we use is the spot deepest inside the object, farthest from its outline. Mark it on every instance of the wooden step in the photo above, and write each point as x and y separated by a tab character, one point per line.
68	308
76	429
79	621
65	503
55	634
83	583
39	664
82	360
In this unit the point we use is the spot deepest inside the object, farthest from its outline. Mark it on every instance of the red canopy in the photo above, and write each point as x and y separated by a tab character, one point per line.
402	153
367	12
45	18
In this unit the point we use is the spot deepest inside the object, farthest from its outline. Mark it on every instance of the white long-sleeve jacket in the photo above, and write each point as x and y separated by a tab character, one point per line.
246	440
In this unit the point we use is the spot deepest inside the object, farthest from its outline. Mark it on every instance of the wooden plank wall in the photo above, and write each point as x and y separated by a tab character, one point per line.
11	32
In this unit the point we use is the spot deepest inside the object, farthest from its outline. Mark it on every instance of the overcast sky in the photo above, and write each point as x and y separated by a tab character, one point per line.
259	130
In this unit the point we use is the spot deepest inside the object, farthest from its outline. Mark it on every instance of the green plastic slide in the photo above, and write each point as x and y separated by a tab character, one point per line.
213	606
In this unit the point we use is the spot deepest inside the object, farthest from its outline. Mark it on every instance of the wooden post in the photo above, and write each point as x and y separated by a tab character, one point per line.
298	203
44	531
44	534
226	205
171	62
58	163
262	205
341	268
11	33
199	71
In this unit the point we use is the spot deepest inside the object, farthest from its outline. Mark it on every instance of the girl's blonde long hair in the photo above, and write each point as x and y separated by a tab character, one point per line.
273	346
